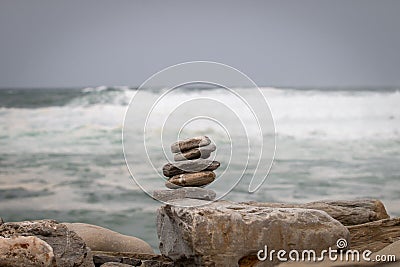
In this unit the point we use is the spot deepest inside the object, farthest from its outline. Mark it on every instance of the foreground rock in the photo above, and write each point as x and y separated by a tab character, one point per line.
101	258
226	234
25	251
184	192
187	144
68	248
102	239
116	264
197	165
347	212
376	235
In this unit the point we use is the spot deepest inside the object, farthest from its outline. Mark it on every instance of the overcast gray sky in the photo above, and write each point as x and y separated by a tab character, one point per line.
277	43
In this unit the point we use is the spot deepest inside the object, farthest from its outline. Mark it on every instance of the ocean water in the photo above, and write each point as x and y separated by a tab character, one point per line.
61	153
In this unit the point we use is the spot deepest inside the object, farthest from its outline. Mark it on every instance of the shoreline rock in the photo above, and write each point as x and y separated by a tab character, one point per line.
68	248
135	259
348	212
224	233
26	251
103	239
375	235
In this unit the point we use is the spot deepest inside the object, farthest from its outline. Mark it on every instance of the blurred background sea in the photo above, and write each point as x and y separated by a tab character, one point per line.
61	153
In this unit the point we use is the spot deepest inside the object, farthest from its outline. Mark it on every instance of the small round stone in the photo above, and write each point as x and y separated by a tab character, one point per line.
189	166
187	144
196	153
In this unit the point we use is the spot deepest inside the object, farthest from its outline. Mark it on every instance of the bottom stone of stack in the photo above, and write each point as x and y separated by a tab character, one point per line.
184	192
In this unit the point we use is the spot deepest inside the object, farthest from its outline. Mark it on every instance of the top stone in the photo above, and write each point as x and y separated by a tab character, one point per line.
190	143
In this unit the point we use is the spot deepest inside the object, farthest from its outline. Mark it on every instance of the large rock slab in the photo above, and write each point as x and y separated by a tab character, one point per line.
348	212
375	235
226	233
184	192
69	249
197	165
187	144
103	239
26	251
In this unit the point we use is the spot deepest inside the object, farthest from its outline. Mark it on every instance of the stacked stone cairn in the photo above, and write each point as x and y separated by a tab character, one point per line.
190	171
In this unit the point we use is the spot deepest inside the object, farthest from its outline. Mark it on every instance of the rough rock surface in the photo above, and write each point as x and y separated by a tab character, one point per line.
69	249
190	143
102	239
190	179
392	249
203	152
184	192
348	212
225	233
100	257
196	165
133	259
25	251
375	235
116	264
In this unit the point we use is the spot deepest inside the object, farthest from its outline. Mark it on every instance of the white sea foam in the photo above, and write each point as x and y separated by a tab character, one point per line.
298	114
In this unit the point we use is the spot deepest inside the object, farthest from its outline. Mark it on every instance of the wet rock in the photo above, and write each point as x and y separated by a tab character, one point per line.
184	192
224	233
195	153
102	239
190	179
348	212
68	248
375	235
188	166
190	143
25	251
